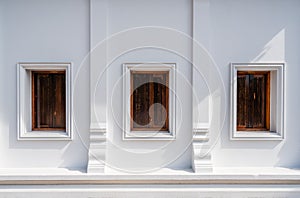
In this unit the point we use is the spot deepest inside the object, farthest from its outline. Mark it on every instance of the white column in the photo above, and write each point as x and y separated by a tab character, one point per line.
98	90
201	105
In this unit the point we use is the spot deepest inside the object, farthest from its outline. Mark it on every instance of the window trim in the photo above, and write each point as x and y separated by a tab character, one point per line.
129	134
277	100
24	102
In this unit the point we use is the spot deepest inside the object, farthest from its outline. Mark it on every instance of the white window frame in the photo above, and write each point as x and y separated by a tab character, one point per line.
149	135
277	101
24	102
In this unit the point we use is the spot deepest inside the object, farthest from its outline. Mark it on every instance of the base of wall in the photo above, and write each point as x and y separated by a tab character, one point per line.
202	164
222	182
149	191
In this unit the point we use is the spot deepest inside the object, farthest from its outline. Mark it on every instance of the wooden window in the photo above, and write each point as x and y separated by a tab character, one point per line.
48	100
253	101
149	100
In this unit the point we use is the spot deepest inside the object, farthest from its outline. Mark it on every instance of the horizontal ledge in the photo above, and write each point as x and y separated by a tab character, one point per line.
150	135
276	176
158	182
98	130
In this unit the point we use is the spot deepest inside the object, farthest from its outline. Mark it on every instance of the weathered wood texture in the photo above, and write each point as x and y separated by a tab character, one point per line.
48	100
253	100
149	100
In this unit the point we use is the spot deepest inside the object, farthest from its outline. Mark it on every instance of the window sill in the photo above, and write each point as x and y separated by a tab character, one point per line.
148	135
45	135
256	135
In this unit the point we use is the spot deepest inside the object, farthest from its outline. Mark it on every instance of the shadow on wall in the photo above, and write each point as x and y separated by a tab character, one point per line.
60	153
9	132
40	154
264	31
70	43
290	152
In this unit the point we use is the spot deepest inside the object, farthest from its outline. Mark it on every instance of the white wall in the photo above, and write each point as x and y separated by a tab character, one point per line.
234	31
45	31
148	155
258	31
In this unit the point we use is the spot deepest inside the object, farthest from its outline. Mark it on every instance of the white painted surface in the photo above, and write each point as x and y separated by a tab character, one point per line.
238	31
264	31
43	31
98	86
224	182
96	191
151	29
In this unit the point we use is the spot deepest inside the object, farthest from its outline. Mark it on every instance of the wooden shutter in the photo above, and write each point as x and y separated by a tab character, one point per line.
160	101
253	100
242	101
141	101
149	101
48	100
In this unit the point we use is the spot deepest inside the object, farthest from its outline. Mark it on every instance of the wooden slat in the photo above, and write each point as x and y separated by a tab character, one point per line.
268	88
241	101
59	111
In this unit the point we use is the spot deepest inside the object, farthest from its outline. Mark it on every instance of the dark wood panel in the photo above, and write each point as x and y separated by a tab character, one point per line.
242	98
149	100
141	100
258	101
253	102
48	100
59	103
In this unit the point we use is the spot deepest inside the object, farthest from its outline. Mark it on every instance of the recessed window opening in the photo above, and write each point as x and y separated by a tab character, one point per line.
48	100
253	101
149	101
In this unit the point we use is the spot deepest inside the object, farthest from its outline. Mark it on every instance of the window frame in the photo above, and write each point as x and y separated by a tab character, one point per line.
277	101
129	134
24	102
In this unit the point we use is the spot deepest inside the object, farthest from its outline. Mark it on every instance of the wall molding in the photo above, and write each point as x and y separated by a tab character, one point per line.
201	153
24	101
97	148
277	102
98	60
201	157
98	87
149	135
229	175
